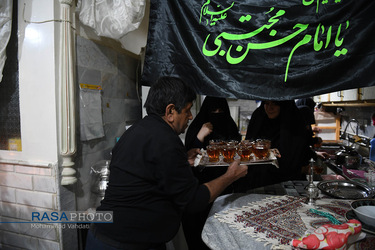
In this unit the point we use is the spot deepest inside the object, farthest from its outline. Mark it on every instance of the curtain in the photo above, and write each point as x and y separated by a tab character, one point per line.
262	49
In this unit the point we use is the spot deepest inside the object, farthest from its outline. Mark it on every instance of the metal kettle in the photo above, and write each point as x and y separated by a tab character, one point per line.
100	177
348	158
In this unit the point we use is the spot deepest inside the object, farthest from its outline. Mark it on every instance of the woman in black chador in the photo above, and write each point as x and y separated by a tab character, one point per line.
214	115
283	124
212	122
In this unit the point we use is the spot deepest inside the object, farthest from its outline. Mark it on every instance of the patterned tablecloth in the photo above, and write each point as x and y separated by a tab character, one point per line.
258	221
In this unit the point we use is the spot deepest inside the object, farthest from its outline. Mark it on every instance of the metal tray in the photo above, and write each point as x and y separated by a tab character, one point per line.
345	189
271	160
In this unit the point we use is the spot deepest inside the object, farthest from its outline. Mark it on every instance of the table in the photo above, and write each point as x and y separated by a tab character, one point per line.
222	235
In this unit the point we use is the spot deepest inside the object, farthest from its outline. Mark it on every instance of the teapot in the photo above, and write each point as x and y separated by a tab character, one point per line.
348	158
100	175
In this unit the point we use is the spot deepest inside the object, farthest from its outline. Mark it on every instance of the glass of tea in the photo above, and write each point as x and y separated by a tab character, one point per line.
229	151
213	153
219	144
261	149
244	151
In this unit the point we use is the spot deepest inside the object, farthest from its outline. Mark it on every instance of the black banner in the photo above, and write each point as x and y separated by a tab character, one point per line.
262	49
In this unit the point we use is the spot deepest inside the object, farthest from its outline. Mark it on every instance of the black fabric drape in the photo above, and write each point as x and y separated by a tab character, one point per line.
257	49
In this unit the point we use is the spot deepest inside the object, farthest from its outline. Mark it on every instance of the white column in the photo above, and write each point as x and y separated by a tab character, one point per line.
67	97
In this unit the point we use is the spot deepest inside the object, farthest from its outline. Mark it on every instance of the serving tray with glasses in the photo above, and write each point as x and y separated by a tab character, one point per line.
271	159
223	153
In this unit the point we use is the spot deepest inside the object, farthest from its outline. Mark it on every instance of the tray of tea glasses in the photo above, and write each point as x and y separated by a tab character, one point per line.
203	160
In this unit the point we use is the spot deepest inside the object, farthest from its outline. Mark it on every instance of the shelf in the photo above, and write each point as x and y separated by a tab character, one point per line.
350	104
329	125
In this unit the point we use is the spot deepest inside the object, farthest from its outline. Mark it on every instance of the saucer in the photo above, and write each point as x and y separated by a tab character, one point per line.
366	228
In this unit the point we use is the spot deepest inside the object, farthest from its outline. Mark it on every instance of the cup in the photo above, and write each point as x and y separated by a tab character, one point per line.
244	151
213	153
219	144
261	149
229	151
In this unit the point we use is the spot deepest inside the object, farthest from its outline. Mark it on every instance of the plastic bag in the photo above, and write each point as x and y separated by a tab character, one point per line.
111	18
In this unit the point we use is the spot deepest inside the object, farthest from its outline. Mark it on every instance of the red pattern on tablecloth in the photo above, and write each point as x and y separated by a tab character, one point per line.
280	219
337	207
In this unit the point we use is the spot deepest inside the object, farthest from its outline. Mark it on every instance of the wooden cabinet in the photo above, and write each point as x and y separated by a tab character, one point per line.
321	98
367	93
329	124
349	95
335	96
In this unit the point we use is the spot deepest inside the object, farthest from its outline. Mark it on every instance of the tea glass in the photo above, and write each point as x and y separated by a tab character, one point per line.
244	151
229	151
213	153
219	144
261	149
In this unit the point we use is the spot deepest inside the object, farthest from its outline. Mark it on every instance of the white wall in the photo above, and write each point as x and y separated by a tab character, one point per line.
29	179
37	85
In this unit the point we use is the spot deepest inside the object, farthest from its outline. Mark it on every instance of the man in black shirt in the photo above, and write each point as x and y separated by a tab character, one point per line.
151	182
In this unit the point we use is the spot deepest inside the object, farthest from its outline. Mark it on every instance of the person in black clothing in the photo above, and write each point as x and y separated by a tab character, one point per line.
213	122
151	183
214	114
282	123
306	106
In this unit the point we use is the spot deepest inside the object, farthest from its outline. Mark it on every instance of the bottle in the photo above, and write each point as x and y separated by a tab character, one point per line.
372	150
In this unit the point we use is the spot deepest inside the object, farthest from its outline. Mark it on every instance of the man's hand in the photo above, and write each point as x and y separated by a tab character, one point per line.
192	154
236	170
